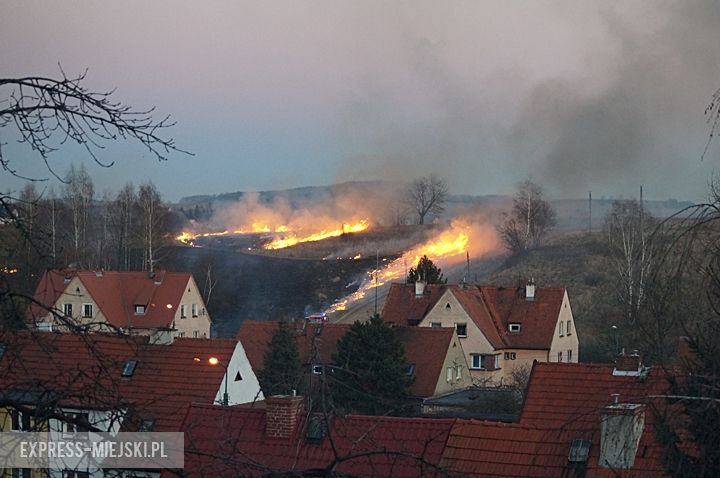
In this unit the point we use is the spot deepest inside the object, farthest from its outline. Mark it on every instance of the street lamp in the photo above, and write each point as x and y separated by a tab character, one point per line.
213	361
617	346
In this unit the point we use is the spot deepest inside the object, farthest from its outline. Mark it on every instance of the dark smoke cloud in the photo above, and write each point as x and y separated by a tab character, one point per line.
631	115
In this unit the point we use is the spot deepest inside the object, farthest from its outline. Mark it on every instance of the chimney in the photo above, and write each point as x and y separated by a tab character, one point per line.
419	288
281	415
530	290
621	428
628	365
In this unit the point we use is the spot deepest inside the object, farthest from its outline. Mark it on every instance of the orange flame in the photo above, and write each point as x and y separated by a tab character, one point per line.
450	246
288	238
291	240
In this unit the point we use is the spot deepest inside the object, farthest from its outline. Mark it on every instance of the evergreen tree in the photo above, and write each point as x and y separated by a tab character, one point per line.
426	271
370	373
282	372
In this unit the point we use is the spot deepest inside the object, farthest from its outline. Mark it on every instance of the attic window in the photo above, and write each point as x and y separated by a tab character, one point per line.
410	369
139	309
514	328
129	368
447	306
147	425
461	330
238	377
579	451
316	429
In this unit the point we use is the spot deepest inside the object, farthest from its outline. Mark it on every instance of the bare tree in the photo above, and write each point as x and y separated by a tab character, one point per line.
48	112
78	194
122	220
629	229
152	214
530	220
427	196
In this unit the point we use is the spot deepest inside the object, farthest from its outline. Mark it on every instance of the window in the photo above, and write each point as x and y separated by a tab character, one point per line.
129	368
449	374
496	362
559	356
510	355
411	369
568	328
87	311
579	451
183	312
196	334
20	421
67	310
22	473
458	372
75	474
561	328
76	423
181	334
317	369
238	377
139	309
569	356
461	330
514	328
147	425
435	324
476	361
447	307
194	310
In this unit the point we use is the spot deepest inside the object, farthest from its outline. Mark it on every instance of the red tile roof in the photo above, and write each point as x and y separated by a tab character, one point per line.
232	442
491	308
424	347
84	370
117	293
572	397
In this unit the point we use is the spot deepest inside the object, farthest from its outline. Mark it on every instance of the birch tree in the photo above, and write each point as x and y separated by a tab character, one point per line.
152	215
531	218
78	194
629	228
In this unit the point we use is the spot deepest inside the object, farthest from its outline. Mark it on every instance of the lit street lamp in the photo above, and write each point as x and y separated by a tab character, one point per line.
213	361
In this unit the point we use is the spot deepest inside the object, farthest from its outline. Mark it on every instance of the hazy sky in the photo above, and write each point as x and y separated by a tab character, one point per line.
600	96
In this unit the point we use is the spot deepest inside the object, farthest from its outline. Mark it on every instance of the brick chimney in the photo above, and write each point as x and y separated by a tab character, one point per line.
622	427
281	415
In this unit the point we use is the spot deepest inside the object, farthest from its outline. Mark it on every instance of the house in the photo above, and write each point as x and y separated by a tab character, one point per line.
162	304
280	436
577	421
115	383
436	360
502	330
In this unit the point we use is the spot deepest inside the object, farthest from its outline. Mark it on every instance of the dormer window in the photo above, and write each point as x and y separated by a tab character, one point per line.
514	328
139	309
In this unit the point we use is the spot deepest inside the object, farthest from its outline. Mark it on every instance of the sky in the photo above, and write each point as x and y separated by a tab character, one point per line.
577	95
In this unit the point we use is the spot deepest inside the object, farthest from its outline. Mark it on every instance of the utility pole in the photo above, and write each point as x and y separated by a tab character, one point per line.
377	268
